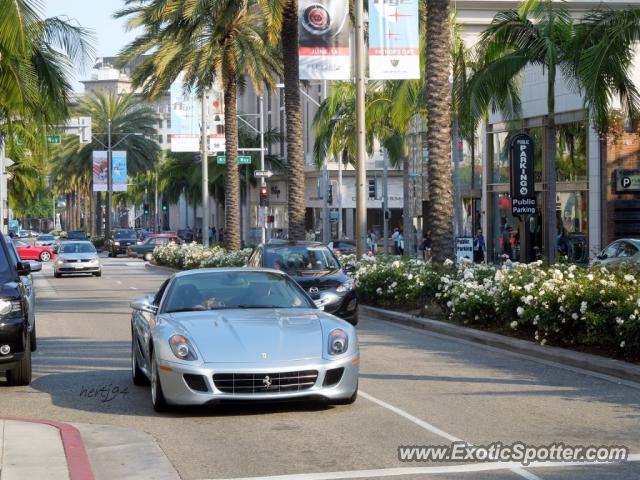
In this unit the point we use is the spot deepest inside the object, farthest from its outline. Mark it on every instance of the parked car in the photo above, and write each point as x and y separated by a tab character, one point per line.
621	251
77	235
120	240
15	329
33	252
317	270
145	250
212	335
77	257
46	241
27	281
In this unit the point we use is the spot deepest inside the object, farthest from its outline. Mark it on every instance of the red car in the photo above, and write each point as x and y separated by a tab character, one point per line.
31	252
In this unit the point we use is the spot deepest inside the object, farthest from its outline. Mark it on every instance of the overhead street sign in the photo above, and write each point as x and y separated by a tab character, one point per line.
262	173
222	160
54	139
244	160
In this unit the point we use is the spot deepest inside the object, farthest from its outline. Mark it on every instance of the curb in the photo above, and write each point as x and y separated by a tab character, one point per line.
585	361
77	458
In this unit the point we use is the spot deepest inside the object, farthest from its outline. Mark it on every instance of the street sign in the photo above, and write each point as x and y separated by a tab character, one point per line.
54	139
262	173
523	195
244	160
222	160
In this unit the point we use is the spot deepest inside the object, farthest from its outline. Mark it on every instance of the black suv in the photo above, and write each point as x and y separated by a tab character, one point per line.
121	240
316	269
15	337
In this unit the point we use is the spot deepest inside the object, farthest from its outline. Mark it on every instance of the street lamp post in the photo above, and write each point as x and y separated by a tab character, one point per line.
361	168
109	181
205	174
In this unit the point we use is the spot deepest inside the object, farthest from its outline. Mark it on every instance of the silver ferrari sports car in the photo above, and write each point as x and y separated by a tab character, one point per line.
212	335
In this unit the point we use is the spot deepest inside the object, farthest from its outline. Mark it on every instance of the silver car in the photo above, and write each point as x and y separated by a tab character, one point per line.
77	257
46	241
621	251
212	335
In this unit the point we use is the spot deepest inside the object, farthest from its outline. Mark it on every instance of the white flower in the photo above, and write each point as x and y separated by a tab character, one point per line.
583	307
622	344
544	340
590	277
619	321
448	263
449	304
514	324
574	316
629	278
379	291
520	311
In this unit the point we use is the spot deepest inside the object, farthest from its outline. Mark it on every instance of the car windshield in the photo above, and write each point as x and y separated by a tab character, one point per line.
234	290
299	258
45	238
77	248
125	234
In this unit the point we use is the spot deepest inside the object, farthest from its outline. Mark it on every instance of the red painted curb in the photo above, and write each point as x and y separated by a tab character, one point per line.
77	458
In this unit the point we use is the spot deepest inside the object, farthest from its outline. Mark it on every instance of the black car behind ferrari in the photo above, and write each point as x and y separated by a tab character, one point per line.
317	270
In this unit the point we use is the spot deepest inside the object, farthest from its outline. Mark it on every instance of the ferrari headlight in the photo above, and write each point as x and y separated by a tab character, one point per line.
338	342
10	306
346	286
117	244
181	348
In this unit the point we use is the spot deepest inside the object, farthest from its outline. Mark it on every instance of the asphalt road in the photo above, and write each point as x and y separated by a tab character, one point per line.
417	388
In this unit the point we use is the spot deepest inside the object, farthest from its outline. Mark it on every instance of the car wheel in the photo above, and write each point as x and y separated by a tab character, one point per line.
32	339
148	257
56	275
157	397
98	274
20	375
138	376
45	256
346	401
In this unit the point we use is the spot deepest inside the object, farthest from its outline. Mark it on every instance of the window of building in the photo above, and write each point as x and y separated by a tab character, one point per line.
160	124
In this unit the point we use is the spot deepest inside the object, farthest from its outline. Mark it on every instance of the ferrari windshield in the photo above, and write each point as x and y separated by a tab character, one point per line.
232	290
298	258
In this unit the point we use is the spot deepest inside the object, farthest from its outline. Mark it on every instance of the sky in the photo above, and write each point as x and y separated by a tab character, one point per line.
96	15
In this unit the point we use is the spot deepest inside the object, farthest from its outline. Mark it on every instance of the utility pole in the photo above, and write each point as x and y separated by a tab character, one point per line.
109	181
361	167
263	183
339	192
205	172
385	202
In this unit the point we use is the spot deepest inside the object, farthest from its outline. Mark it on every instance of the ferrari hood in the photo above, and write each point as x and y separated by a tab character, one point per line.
253	335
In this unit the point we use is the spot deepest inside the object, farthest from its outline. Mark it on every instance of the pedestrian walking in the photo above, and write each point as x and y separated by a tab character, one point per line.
427	244
396	244
479	247
374	242
400	244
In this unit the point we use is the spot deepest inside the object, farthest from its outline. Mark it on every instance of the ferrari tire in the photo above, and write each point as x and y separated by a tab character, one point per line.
157	396
138	376
45	256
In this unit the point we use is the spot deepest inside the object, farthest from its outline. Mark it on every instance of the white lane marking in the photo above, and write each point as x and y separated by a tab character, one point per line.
136	264
602	376
435	430
393	472
133	288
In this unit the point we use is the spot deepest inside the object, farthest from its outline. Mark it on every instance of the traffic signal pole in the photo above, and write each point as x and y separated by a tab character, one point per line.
262	210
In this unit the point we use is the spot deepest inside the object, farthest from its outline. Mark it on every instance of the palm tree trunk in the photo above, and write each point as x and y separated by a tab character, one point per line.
439	218
550	200
407	219
232	185
293	109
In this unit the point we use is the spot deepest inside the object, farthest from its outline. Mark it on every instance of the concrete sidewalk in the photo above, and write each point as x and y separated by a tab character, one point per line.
34	449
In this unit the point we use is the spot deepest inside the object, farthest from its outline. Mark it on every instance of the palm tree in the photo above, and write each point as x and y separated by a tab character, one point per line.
209	40
439	214
594	54
126	117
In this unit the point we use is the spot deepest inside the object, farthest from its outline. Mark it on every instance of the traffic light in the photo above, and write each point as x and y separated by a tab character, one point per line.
264	197
146	209
372	188
165	206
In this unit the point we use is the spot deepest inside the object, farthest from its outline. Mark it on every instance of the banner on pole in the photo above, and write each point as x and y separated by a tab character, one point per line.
100	170
394	40
324	32
119	170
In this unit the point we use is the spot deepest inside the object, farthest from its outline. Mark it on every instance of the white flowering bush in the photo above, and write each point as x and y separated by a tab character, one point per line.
190	256
561	304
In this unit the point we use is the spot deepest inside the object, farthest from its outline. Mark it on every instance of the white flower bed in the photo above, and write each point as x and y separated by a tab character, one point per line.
189	256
